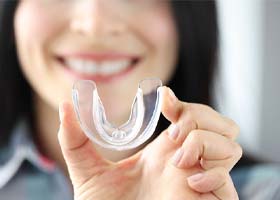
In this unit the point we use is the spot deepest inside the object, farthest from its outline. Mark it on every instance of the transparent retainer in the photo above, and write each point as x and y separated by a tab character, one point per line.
144	116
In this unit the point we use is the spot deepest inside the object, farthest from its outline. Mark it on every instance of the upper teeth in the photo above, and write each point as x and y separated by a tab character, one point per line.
100	68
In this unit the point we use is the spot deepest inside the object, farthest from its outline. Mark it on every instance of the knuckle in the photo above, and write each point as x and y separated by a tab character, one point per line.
190	124
194	137
189	116
237	150
189	111
222	173
233	127
233	195
206	108
180	109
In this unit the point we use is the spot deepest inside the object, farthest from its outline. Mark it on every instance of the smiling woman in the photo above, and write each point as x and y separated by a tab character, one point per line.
48	45
87	42
197	32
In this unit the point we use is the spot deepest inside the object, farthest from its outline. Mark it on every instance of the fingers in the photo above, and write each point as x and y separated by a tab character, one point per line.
189	116
78	151
206	139
217	181
208	148
186	118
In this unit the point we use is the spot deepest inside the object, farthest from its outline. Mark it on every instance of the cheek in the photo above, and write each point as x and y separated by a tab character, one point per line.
159	28
161	34
35	29
33	24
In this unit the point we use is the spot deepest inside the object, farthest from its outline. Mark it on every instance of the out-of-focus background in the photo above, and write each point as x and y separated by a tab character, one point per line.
248	83
247	87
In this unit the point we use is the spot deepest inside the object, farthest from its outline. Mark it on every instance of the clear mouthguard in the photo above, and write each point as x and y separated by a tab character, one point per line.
144	116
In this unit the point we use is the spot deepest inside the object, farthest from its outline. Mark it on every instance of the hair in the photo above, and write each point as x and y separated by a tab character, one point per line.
198	43
198	32
16	93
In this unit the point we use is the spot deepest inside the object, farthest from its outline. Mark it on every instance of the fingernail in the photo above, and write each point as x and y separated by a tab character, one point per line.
177	157
173	97
173	131
196	177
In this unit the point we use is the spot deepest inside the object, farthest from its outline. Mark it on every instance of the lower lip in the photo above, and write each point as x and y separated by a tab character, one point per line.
97	78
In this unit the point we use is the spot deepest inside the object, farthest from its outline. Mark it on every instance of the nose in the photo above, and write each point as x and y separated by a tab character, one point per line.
95	18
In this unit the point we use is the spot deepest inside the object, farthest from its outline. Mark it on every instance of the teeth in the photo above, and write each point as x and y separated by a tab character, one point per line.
89	67
97	68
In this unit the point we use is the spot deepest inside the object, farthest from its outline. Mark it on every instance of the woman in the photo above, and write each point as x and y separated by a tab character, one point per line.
47	45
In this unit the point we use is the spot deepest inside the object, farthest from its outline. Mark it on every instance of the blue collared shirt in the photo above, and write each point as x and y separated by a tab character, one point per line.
26	175
260	182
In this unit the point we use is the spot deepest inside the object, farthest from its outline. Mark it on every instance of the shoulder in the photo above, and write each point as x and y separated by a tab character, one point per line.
25	173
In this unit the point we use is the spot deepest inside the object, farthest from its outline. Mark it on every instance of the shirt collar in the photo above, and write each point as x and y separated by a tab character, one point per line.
22	148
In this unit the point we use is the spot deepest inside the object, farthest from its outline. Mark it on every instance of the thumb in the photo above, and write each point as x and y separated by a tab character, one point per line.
81	157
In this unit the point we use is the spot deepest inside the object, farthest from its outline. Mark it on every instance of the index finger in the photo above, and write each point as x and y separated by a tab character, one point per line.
196	116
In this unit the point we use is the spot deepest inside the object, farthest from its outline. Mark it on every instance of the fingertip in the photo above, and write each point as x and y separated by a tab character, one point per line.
197	182
172	96
210	180
63	108
67	114
171	107
192	155
195	178
173	132
169	95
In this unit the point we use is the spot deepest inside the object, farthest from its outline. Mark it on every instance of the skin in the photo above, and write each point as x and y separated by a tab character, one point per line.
156	172
90	26
42	32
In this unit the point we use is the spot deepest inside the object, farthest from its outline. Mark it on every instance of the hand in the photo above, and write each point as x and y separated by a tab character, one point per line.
206	139
149	174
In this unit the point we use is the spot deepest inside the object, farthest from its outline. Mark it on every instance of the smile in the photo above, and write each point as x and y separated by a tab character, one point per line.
99	67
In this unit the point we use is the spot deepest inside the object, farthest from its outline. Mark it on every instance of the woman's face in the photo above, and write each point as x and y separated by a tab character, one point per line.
116	43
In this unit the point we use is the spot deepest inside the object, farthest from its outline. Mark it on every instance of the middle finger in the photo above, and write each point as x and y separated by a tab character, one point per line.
209	149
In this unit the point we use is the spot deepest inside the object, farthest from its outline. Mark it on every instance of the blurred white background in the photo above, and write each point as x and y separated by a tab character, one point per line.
248	84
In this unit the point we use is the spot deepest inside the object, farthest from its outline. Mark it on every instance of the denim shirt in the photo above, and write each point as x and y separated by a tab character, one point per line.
26	175
260	182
